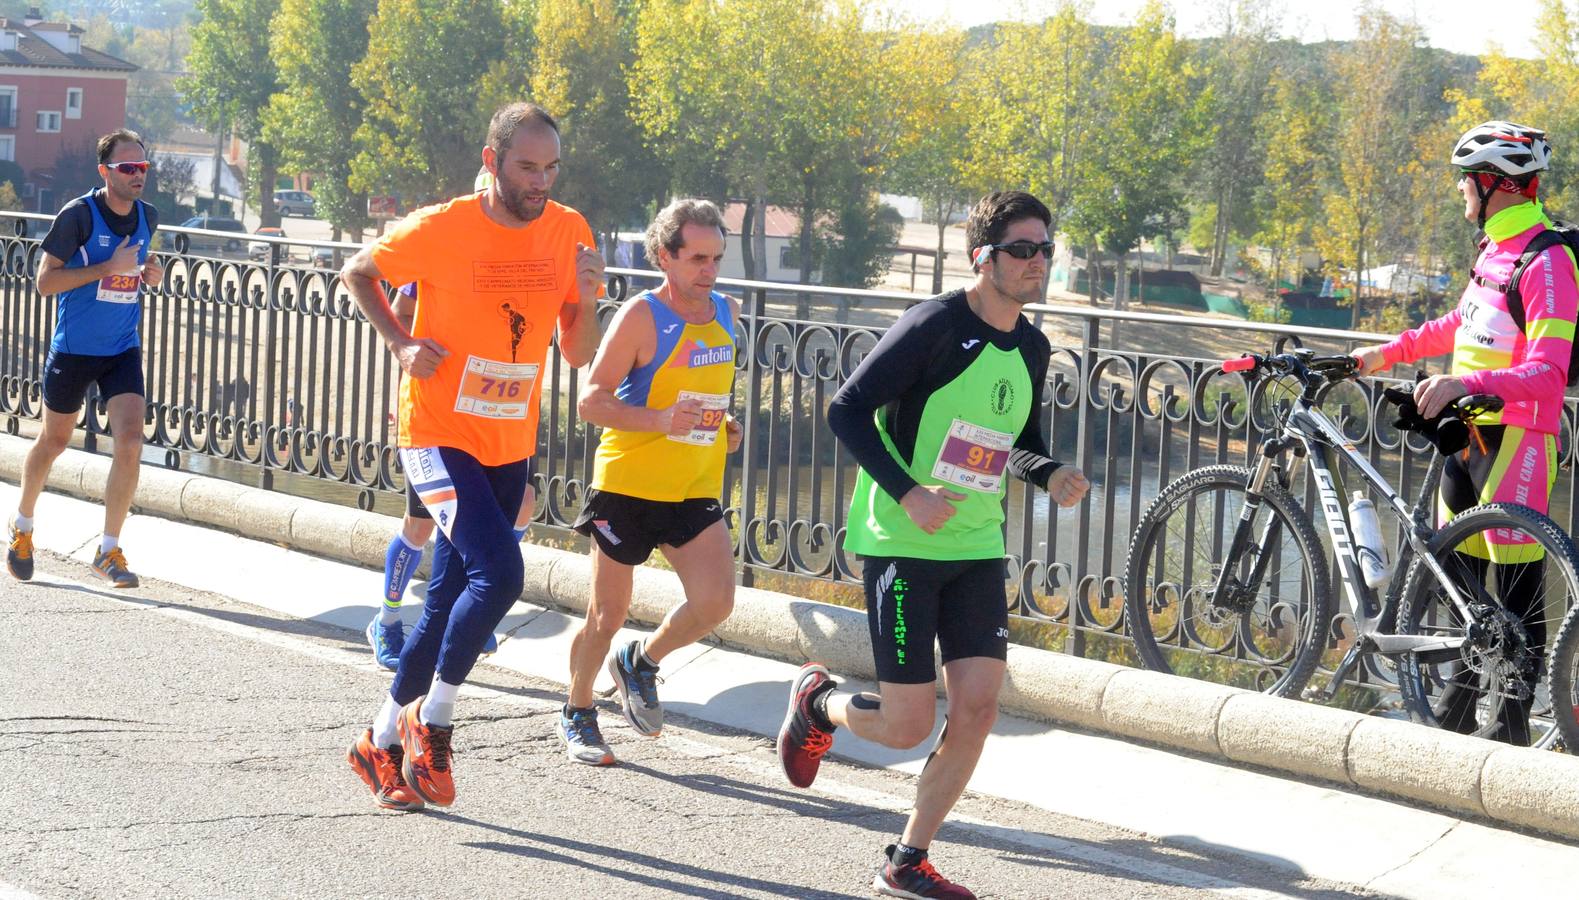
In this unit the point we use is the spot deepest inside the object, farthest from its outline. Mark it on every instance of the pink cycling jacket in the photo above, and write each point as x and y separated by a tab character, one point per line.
1528	371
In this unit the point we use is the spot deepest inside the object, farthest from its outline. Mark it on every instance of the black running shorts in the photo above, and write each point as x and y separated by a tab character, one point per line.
910	603
627	529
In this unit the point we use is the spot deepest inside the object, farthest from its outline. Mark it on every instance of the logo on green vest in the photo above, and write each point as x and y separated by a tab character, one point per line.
1002	397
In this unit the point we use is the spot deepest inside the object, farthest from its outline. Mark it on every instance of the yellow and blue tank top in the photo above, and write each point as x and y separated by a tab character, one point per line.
691	361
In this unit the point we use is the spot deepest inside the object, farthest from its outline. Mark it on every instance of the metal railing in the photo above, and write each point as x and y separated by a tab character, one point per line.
269	365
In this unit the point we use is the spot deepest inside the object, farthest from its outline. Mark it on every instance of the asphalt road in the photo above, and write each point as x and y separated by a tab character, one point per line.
167	743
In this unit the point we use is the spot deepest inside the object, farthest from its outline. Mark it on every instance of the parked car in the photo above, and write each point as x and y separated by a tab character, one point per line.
295	203
259	250
202	244
327	258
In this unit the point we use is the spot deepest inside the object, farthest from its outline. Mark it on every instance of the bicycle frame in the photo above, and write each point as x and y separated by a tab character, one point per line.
1324	448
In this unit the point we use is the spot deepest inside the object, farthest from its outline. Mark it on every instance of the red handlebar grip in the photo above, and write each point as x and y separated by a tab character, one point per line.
1240	364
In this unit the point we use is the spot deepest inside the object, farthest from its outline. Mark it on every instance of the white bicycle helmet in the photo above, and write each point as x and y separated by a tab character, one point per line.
1503	147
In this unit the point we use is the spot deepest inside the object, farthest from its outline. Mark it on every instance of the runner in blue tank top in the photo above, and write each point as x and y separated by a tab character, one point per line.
96	260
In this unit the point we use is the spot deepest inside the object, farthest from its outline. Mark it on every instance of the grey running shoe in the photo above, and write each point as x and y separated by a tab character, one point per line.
583	739
111	567
638	687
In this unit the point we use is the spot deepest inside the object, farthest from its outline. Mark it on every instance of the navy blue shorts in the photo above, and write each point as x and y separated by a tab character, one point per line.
67	376
416	509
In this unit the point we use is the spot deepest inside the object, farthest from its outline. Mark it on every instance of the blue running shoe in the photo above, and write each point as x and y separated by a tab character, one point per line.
492	646
638	687
387	641
584	743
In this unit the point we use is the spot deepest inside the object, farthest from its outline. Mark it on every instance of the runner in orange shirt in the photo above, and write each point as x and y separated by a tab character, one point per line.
495	273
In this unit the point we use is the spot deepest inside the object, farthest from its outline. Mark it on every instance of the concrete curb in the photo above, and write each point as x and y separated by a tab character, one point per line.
1526	789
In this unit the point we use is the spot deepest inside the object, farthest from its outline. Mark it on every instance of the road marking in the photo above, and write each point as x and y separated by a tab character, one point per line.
1151	869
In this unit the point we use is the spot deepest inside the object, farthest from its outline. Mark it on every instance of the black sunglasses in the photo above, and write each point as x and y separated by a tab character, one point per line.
1025	249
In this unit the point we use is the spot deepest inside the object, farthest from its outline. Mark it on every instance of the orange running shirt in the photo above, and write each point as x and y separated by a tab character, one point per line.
491	296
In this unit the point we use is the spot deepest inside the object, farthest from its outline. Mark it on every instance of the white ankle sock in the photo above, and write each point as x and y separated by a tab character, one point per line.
108	543
23	523
439	706
385	735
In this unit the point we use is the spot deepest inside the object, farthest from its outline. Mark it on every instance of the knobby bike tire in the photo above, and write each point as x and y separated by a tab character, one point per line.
1416	678
1314	611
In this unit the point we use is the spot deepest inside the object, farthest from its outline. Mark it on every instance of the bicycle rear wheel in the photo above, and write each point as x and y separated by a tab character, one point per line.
1522	573
1562	666
1269	635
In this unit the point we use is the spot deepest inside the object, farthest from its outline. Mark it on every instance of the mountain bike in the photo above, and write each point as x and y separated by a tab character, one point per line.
1227	559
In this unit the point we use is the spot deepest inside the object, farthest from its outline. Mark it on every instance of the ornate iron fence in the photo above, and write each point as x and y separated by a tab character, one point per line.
260	359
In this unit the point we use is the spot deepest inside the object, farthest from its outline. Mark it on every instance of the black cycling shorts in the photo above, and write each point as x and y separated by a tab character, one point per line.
910	603
627	529
67	376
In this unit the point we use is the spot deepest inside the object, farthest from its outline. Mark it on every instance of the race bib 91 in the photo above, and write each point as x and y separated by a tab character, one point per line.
973	457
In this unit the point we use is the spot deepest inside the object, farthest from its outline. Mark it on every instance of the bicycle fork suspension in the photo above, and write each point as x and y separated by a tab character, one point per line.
1229	592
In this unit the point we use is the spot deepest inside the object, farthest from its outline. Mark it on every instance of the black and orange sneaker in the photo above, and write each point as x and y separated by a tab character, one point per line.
19	556
803	739
919	880
427	762
380	770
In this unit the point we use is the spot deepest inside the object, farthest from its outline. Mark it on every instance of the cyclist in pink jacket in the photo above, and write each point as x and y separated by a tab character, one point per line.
1499	166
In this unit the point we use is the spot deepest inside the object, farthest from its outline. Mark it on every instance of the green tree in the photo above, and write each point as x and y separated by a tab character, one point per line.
858	108
1290	195
314	118
232	80
1539	93
425	110
584	51
858	241
934	169
1034	109
1237	73
1378	87
1152	132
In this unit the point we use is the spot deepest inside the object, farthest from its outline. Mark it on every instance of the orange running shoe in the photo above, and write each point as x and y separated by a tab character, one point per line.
380	769
427	763
19	556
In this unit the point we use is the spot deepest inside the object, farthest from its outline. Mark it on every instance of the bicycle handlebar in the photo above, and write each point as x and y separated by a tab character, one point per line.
1301	363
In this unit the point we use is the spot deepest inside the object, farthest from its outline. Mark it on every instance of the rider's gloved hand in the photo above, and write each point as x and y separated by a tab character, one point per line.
1447	432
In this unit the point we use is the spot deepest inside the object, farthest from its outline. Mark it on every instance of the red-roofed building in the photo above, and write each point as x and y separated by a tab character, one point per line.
54	93
782	242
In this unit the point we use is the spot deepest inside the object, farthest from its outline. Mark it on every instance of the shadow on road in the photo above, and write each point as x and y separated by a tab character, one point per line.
548	848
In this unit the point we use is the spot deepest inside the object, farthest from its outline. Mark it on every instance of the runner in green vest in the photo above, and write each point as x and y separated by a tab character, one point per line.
944	408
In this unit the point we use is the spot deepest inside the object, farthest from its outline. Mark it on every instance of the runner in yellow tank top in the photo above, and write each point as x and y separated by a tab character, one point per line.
693	362
660	387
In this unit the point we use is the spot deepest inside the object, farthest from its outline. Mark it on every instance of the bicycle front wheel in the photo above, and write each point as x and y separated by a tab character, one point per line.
1269	628
1520	574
